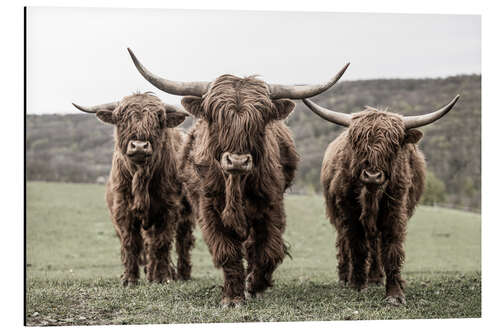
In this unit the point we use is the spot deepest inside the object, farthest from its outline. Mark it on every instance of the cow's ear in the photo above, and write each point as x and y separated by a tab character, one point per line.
283	108
413	136
106	116
175	118
192	104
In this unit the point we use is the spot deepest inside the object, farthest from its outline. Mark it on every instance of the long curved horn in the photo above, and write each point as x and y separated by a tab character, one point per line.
419	121
338	118
196	88
94	109
300	92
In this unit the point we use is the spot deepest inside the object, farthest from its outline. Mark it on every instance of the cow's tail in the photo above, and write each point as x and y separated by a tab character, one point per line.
184	240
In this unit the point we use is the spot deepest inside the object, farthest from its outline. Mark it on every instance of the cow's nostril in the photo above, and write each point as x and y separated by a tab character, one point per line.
132	144
372	176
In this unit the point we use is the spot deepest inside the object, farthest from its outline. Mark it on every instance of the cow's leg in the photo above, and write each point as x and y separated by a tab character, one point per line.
127	233
143	258
343	261
393	256
159	242
376	274
131	247
184	241
250	253
226	251
359	250
266	251
233	290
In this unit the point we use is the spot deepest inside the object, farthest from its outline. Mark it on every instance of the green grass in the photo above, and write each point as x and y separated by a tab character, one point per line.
73	269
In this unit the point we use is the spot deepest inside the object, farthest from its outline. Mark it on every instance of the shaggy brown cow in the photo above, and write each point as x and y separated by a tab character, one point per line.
144	192
238	161
373	175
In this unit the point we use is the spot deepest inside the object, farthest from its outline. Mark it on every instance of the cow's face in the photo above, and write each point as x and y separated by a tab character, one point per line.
376	138
237	111
140	121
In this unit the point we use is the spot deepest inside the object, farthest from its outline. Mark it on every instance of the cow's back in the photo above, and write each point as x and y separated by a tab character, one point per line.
288	156
178	137
111	193
417	184
332	163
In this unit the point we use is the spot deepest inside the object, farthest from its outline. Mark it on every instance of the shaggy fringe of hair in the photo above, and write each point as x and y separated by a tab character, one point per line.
375	137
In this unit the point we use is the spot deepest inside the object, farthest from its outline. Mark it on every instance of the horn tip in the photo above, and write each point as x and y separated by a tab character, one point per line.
81	108
132	55
455	100
339	74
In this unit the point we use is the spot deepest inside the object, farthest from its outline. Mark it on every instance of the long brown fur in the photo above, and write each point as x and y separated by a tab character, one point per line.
240	216
371	219
146	201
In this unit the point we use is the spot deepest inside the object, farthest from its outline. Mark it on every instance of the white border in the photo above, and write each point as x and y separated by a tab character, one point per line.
11	28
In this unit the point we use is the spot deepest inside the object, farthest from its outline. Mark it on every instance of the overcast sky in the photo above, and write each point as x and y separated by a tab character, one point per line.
79	54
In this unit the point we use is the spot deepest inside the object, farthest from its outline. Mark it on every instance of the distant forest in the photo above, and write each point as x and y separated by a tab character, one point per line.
78	147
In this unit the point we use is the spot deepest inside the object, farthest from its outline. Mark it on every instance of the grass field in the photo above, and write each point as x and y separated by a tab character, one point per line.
73	269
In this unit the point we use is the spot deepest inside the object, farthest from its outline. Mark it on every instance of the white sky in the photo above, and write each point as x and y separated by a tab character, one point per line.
79	54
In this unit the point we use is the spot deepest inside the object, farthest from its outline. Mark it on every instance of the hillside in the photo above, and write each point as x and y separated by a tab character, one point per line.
77	147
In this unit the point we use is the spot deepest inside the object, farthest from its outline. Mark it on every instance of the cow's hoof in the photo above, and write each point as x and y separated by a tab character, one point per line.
257	295
232	302
159	281
344	283
359	287
162	278
376	281
396	300
130	282
184	276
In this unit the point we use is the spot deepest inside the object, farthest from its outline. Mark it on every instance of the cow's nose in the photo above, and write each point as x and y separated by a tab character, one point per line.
372	177
236	163
139	147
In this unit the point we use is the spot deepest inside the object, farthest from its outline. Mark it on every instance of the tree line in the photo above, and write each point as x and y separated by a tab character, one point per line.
78	147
